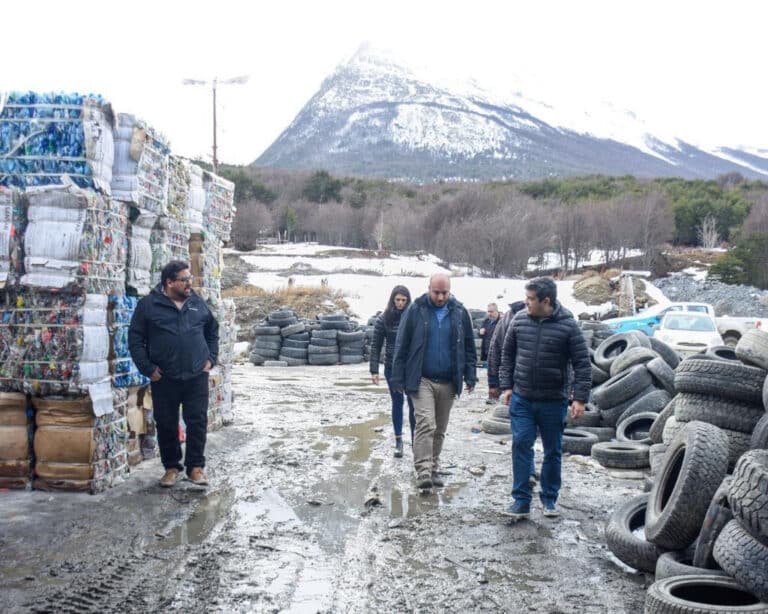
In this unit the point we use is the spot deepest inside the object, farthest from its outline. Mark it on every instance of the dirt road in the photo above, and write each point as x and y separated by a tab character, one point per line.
309	512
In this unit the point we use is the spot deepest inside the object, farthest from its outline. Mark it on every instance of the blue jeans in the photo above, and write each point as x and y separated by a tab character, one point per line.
549	417
397	407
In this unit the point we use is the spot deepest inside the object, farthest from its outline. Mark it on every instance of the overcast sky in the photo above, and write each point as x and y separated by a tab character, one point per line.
696	68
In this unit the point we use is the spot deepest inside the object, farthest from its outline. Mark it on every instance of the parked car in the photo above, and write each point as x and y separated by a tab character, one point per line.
648	318
688	332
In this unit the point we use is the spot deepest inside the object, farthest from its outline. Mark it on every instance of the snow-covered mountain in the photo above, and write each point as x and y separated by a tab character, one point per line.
376	117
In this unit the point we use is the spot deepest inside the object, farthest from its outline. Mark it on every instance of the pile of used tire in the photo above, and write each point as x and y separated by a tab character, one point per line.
701	530
270	337
633	381
498	423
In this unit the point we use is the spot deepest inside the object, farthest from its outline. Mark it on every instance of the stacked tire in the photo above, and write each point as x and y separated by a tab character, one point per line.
295	343
323	347
498	423
351	347
267	343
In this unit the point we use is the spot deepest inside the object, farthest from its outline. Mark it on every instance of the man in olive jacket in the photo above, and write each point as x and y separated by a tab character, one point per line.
434	356
538	345
174	341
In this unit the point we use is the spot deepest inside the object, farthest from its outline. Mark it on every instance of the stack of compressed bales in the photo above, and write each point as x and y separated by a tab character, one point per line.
195	199
15	438
121	366
219	206
220	379
170	234
140	180
13	221
54	343
136	423
53	139
76	449
205	260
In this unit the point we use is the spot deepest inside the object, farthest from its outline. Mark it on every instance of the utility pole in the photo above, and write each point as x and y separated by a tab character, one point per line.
213	83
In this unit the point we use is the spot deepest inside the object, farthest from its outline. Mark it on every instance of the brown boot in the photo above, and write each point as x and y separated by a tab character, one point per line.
196	476
169	478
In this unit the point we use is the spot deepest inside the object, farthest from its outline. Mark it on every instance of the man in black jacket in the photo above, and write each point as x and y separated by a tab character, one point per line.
538	346
174	341
434	356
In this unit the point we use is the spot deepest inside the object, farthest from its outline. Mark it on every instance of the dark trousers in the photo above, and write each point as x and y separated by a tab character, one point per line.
397	407
192	396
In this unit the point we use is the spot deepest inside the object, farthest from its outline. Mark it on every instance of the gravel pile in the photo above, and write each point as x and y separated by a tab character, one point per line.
742	301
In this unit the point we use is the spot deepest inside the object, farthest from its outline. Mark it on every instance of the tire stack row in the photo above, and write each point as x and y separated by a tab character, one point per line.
705	533
633	381
323	346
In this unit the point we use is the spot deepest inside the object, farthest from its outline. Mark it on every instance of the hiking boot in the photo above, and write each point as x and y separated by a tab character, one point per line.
398	447
518	511
169	478
197	477
437	480
424	481
550	509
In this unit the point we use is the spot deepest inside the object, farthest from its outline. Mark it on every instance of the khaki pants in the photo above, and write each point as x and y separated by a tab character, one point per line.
432	408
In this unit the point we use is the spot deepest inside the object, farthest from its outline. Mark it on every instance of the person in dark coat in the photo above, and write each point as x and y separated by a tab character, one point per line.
486	331
174	340
384	336
538	347
434	356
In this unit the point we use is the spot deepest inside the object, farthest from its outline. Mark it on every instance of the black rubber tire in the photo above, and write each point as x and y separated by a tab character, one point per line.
702	594
576	441
630	357
718	515
624	386
748	494
595	325
323	359
644	339
655	401
324	334
680	563
296	345
717	410
752	348
322	349
357	335
611	415
293	362
282	323
722	352
266	345
293	329
300	353
261	330
266	353
323	342
354	346
624	539
743	557
657	428
621	454
693	467
604	433
720	377
351	359
334	325
256	359
655	455
759	439
598	375
590	417
670	356
738	444
636	428
494	426
298	337
332	317
501	411
663	375
268	339
671	428
608	350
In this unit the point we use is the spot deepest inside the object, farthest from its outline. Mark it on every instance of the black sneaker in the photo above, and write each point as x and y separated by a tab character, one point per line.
518	511
424	481
437	480
398	447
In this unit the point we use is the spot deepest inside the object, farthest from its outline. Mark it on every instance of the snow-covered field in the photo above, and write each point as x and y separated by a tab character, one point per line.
368	287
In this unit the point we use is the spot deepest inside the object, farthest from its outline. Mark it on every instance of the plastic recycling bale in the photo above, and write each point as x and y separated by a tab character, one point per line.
123	370
49	139
219	206
13	222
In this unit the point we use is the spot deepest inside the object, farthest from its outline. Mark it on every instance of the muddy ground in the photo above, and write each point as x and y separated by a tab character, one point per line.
284	525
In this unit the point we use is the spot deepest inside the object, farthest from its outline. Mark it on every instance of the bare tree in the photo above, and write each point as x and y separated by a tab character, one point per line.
707	232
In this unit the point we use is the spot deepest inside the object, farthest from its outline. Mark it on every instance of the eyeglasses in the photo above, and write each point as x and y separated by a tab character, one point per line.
185	280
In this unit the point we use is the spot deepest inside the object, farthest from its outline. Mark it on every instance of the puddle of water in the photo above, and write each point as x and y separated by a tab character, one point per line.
205	516
356	383
406	504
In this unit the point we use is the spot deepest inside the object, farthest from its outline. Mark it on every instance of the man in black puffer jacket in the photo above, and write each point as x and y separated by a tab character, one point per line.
434	356
174	341
538	346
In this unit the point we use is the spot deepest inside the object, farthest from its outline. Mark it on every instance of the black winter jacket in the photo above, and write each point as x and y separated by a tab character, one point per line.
494	350
384	337
489	326
536	353
412	343
179	341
